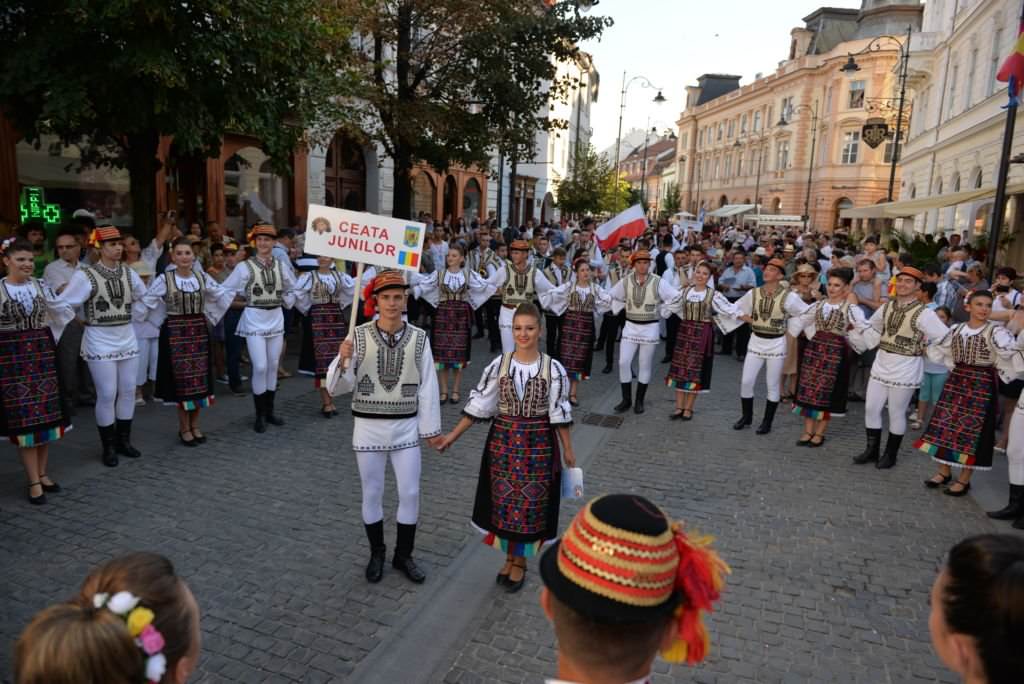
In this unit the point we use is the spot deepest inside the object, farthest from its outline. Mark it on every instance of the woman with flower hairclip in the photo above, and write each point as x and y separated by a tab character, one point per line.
32	414
134	620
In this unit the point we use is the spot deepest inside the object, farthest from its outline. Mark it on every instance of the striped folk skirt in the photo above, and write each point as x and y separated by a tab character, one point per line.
324	328
576	344
961	431
519	489
184	372
451	334
823	377
693	357
33	413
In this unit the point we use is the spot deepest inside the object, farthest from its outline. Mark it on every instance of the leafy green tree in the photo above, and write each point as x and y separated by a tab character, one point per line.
113	76
450	81
672	201
590	186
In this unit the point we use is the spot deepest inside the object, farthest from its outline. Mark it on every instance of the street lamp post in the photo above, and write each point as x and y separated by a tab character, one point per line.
814	139
851	67
760	137
643	171
645	83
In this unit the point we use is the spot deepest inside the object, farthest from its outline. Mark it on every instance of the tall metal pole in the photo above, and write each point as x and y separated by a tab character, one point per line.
501	176
999	207
618	137
696	209
757	183
643	173
810	167
905	59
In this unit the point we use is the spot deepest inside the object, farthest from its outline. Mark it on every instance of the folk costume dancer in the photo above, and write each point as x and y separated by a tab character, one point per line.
31	320
558	273
322	296
697	309
770	310
1014	508
181	303
900	329
612	323
578	302
823	372
640	294
395	405
518	283
267	285
961	432
623	584
106	290
525	395
678	275
455	292
484	262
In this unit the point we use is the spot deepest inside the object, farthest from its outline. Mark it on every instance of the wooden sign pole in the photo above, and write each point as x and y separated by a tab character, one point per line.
355	308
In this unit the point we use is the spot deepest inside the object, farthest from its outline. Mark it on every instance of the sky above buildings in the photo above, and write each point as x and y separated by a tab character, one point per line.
672	42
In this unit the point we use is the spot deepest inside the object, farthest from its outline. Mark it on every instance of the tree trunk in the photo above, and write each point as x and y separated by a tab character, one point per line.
513	203
142	168
402	194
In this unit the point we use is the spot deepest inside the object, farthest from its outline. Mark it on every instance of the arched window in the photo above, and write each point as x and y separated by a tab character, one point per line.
913	191
423	194
956	182
472	203
253	191
976	177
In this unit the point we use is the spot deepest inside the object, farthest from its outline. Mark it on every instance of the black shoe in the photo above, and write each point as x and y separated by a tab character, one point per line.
238	391
1014	509
870	452
408	567
607	369
200	439
892	449
188	442
268	409
666	359
378	552
641	393
747	418
36	500
512	586
402	559
627	398
123	444
49	488
964	488
258	425
769	415
931	483
107	439
676	415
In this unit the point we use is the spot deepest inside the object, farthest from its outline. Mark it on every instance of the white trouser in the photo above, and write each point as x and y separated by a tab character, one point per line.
149	349
265	354
1015	448
627	350
115	389
752	365
406	464
898	398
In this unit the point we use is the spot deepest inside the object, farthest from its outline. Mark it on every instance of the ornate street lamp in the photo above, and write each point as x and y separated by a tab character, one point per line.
658	99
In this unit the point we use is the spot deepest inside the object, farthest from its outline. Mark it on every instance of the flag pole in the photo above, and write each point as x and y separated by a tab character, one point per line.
354	316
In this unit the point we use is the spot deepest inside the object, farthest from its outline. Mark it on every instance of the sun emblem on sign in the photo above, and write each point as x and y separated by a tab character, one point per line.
412	237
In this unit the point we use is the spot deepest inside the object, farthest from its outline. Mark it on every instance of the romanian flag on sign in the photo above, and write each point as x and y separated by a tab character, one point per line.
1012	70
411	259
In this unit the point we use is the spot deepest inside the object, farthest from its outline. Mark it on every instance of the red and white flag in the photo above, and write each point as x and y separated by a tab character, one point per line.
629	224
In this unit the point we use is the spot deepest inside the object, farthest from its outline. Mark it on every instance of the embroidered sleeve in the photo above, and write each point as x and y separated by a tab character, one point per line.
79	289
540	283
483	399
236	282
930	324
429	403
559	408
154	296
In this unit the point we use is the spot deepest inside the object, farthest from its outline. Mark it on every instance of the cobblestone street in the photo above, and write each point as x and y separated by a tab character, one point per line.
831	562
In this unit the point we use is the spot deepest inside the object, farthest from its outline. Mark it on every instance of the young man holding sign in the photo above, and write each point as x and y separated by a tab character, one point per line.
389	369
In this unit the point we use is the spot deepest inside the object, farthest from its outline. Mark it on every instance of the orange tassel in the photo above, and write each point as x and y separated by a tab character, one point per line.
369	304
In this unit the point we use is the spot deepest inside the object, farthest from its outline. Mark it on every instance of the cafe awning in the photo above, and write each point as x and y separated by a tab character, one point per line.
782	220
732	210
919	205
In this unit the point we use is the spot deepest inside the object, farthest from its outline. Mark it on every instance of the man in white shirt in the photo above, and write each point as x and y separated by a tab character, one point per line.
76	382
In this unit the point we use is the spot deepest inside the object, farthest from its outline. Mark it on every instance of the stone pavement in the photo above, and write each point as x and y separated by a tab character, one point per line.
831	562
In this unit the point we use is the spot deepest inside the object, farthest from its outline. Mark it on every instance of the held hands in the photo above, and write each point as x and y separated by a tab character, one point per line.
439	442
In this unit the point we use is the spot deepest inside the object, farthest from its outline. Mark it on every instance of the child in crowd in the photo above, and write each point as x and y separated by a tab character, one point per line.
148	336
934	379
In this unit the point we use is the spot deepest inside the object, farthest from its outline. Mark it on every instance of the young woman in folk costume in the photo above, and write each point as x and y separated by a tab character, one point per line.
577	302
322	296
267	285
525	395
824	370
31	411
181	302
961	431
455	293
106	291
693	355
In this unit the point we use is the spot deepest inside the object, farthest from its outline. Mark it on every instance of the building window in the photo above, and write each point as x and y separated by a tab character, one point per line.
995	61
700	138
828	100
786	109
714	174
913	191
731	130
956	182
851	147
954	76
856	95
889	148
972	68
721	128
728	166
743	124
757	121
739	165
768	122
782	156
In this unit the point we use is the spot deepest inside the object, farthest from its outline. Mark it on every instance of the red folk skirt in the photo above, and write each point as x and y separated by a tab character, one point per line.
823	377
693	358
961	431
32	413
576	344
184	372
451	334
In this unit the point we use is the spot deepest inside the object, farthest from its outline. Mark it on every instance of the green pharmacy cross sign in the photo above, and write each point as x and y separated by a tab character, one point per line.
34	207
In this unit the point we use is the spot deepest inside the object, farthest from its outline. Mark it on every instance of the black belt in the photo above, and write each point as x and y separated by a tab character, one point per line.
631	320
770	337
265	308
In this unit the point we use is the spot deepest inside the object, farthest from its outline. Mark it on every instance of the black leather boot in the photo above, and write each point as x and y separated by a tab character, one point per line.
257	401
747	418
1014	509
627	398
769	415
107	439
268	408
378	552
892	448
870	452
402	559
123	443
641	393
